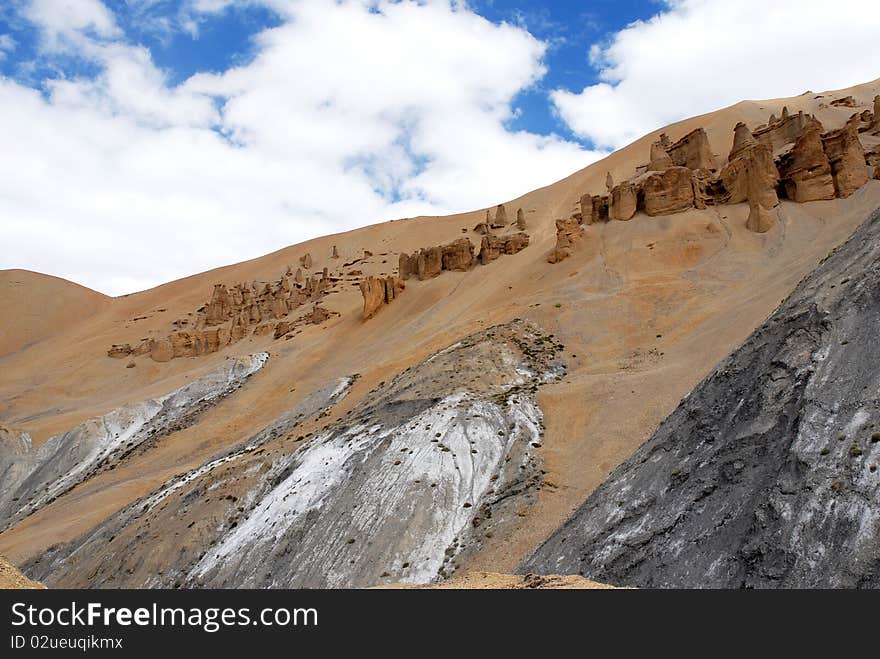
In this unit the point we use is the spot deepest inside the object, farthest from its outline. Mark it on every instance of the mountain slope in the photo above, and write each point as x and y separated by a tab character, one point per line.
767	474
645	309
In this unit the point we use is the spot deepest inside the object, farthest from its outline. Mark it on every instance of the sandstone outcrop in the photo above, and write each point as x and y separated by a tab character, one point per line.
692	151
624	201
598	209
500	217
742	139
520	219
306	261
232	314
751	171
780	132
458	255
845	102
805	170
429	262
846	157
669	191
334	254
568	234
494	246
660	159
789	157
378	292
760	220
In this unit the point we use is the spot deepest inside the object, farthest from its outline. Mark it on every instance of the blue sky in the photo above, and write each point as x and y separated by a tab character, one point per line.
225	39
146	140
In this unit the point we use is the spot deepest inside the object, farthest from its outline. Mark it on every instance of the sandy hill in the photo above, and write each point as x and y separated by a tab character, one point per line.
642	310
37	306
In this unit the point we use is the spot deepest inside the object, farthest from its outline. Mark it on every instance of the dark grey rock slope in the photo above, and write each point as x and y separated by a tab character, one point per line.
766	475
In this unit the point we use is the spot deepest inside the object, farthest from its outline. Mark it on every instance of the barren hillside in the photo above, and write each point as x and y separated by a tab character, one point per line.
578	356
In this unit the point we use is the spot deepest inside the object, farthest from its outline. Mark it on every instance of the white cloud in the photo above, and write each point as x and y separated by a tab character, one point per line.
698	55
7	45
350	113
62	20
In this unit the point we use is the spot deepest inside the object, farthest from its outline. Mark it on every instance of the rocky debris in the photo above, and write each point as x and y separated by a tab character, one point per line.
692	151
34	477
520	219
846	157
483	228
669	191
403	488
568	234
263	329
378	292
306	261
118	351
493	247
766	475
845	102
805	170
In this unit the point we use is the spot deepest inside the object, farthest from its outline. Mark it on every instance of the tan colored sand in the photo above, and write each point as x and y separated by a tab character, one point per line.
699	280
11	578
496	581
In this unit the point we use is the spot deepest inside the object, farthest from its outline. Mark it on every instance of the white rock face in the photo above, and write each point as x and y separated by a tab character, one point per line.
42	475
371	499
403	487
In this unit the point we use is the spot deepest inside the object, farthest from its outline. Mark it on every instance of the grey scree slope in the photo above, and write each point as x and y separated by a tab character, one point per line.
766	475
404	487
33	478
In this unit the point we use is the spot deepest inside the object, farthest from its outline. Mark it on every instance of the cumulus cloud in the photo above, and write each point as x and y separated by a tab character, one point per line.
66	20
349	113
698	55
